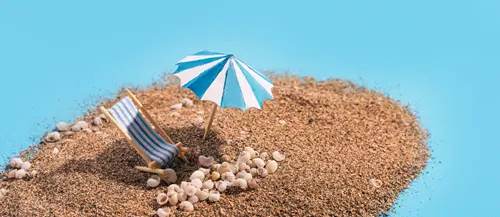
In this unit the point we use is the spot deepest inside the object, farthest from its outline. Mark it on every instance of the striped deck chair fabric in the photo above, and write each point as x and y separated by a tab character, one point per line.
128	117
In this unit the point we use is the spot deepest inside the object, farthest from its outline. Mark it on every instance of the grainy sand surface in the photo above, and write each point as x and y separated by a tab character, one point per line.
337	138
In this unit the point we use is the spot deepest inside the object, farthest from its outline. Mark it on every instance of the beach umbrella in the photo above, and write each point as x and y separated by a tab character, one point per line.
224	80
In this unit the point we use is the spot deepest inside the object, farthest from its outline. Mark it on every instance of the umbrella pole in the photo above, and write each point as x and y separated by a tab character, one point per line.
209	124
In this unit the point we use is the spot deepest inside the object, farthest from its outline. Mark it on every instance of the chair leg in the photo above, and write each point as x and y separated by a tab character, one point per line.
182	152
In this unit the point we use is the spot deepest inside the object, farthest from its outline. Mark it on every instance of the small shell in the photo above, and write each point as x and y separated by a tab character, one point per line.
55	151
83	124
12	174
162	199
262	172
16	163
173	199
215	176
244	157
163	212
198	121
184	185
216	167
62	127
259	162
241	174
271	166
171	175
213	196
202	194
278	156
26	165
228	176
173	187
176	106
205	171
241	183
197	175
208	185
3	191
201	112
53	137
221	186
243	167
253	171
20	174
226	158
182	195
264	156
197	183
97	121
233	168
153	181
191	190
224	168
187	102
252	184
186	206
34	173
251	164
175	114
205	161
376	183
193	199
282	122
250	151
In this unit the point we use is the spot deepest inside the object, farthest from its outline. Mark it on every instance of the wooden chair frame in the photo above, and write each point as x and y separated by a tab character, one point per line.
153	167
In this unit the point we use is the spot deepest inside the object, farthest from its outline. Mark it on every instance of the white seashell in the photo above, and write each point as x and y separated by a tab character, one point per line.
197	183
252	184
213	196
173	187
202	194
200	112
182	195
271	166
34	173
259	162
216	167
226	158
250	151
26	165
176	106
187	102
262	172
172	199
215	176
170	192
251	164
3	191
233	168
205	171
282	122
171	175
12	174
162	199
241	174
241	183
228	176
62	127
193	199
247	176
186	206
97	121
243	167
175	114
197	175
243	157
264	156
205	161
87	130
16	163
198	121
221	186
224	168
253	171
53	137
55	151
278	156
163	212
191	190
184	185
83	124
208	185
376	183
153	181
20	174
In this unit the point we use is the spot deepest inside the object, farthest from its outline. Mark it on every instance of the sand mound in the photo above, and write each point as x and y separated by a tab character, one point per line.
350	152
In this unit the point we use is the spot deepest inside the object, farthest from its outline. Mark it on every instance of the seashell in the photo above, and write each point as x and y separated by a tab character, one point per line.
243	167
186	206
176	106
97	121
251	164
282	122
241	183
53	137
216	167
376	183
252	184
262	172
201	112
184	185
215	176
62	127
175	114
171	192
208	185
205	171
34	173
163	212
228	176
271	166
83	124
205	161
16	163
247	176
87	130
182	195
253	171
171	175
250	151
259	162
26	165
202	194
55	151
173	199
197	183
233	168
153	181
20	174
12	174
162	199
226	158
193	199
187	102
173	187
198	121
197	175
221	186
243	157
191	190
3	191
278	156
224	168
67	133
264	156
213	196
241	174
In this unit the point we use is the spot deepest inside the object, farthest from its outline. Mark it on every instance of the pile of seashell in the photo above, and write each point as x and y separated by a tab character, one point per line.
19	169
212	179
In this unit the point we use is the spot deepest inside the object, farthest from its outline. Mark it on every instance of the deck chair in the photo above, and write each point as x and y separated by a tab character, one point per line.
156	148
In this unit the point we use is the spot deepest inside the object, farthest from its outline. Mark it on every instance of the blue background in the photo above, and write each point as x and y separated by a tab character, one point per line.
441	57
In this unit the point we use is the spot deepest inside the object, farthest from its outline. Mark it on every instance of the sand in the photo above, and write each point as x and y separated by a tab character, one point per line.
350	152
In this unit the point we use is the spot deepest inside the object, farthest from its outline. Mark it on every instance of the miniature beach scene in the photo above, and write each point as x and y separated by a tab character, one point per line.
143	110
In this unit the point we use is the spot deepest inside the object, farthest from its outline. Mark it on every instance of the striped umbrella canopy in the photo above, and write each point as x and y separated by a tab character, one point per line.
224	80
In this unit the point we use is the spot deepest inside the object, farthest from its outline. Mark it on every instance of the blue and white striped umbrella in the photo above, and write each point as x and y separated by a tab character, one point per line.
224	80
